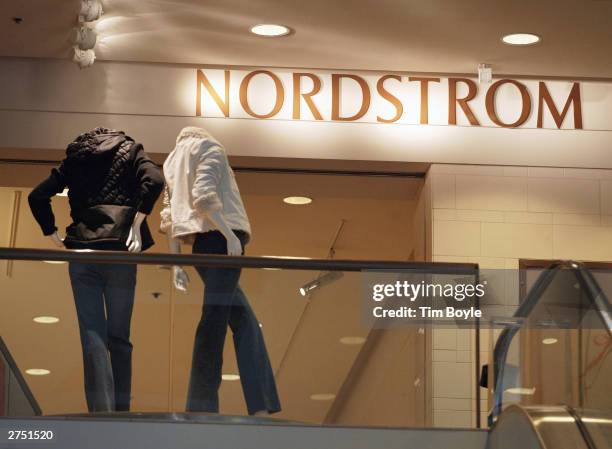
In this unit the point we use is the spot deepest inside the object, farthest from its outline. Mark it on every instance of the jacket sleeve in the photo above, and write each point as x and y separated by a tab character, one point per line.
150	180
39	199
166	216
209	171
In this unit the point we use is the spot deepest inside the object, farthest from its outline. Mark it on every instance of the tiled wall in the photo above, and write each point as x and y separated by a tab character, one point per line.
495	216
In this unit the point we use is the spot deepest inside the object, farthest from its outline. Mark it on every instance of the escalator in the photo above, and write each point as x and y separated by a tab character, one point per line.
579	417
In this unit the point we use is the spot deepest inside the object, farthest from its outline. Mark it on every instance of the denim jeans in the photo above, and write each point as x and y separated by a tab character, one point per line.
104	299
226	304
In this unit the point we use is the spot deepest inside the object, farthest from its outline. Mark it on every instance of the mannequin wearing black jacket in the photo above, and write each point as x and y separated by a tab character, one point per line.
112	186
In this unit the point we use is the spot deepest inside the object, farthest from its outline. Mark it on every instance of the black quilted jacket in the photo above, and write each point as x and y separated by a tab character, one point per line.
109	178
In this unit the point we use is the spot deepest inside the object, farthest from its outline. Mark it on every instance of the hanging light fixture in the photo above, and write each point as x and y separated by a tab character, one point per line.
91	10
84	37
324	279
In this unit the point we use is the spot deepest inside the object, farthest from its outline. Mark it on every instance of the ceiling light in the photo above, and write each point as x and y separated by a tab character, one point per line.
352	340
297	200
63	193
324	279
37	372
270	30
521	39
46	319
90	11
550	341
83	58
55	262
84	37
521	391
322	396
230	377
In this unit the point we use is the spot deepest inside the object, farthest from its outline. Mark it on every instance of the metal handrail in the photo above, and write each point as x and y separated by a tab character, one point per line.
25	388
214	260
594	293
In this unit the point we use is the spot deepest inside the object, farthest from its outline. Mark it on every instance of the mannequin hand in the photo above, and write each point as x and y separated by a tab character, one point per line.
234	247
57	240
180	278
134	240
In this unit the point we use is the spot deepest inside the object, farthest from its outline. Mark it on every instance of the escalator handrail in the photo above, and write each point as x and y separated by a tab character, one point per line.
594	293
14	369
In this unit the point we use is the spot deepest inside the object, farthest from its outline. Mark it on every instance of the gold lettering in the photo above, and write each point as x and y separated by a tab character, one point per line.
365	101
244	98
574	97
525	109
297	92
399	108
463	102
202	80
424	96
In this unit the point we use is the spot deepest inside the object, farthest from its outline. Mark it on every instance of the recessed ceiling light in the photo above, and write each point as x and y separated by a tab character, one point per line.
230	377
54	262
521	391
37	372
297	200
521	39
322	396
550	341
46	319
352	340
270	30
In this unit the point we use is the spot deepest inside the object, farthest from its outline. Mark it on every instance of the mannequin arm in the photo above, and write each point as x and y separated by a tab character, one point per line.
179	276
234	247
56	239
134	240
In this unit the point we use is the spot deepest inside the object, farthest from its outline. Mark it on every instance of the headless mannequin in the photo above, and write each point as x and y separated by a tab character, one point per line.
133	243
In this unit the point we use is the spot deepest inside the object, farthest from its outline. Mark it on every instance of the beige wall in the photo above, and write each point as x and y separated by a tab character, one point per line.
494	216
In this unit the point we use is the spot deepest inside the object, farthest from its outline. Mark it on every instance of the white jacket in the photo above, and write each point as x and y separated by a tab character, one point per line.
199	180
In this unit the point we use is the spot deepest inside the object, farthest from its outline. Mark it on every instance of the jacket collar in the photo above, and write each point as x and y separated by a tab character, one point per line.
192	131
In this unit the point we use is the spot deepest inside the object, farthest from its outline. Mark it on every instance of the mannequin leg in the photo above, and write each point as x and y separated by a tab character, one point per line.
119	297
88	290
256	373
207	361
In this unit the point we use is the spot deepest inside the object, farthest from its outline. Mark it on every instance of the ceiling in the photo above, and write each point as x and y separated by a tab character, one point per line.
443	36
302	335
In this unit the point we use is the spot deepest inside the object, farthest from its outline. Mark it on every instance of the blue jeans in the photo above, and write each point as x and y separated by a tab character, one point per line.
226	304
104	299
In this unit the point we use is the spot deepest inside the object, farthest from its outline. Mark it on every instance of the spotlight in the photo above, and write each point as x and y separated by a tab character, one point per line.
83	58
84	38
91	10
321	281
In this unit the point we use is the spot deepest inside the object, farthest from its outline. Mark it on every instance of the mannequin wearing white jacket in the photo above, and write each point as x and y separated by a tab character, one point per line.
202	205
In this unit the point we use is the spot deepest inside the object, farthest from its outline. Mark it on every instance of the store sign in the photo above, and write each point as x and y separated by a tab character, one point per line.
388	99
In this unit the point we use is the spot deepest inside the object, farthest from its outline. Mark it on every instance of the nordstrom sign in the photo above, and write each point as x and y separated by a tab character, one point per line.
387	98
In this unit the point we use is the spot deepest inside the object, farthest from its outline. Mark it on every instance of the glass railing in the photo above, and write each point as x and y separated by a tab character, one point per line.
322	362
557	347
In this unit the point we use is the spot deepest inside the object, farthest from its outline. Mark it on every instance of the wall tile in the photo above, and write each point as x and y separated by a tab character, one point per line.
464	339
452	418
515	171
443	191
456	238
585	173
443	355
491	193
606	197
517	240
444	339
445	214
452	404
528	217
545	172
583	243
577	219
578	196
452	380
479	215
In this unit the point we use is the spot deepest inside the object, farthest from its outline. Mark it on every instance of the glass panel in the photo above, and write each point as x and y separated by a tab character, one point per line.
557	351
328	366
